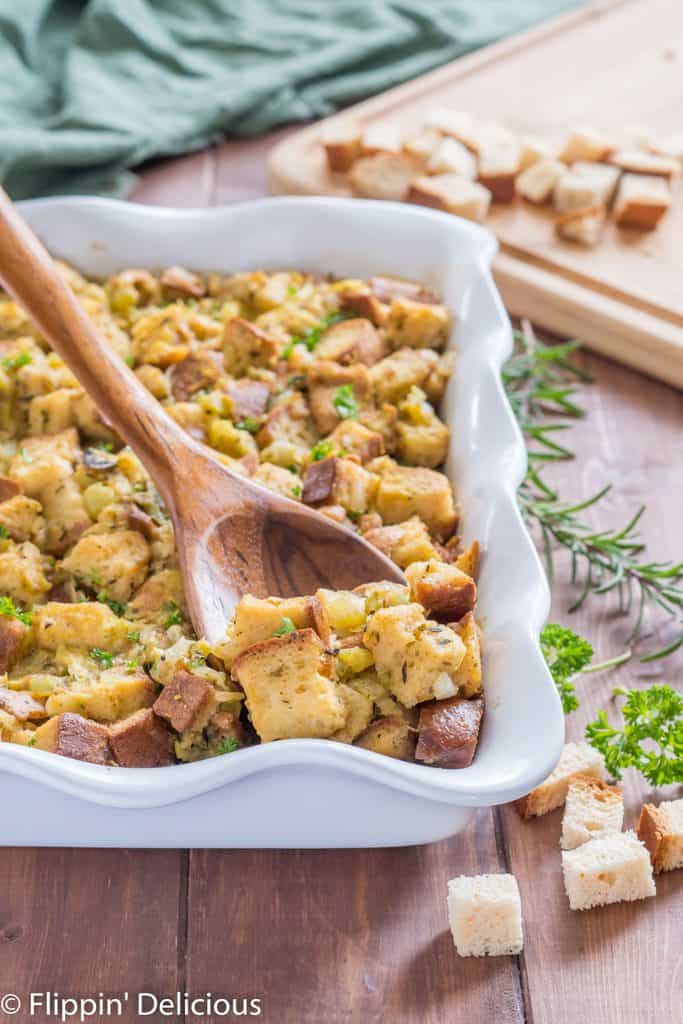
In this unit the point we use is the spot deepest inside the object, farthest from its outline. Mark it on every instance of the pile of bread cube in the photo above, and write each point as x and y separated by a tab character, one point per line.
454	162
601	864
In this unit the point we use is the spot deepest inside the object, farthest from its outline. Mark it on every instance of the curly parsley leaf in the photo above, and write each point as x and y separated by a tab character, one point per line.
651	738
228	746
567	654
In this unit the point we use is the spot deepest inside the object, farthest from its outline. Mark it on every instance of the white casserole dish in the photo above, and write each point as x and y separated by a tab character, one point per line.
315	793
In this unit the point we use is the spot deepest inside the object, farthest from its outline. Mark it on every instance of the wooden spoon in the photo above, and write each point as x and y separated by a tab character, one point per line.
233	536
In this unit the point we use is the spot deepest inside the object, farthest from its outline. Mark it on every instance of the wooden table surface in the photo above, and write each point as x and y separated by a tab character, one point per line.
361	936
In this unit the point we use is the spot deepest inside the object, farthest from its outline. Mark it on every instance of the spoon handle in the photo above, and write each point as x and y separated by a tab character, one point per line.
30	275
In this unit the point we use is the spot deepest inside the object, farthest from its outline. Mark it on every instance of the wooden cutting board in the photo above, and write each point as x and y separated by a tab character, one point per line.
616	65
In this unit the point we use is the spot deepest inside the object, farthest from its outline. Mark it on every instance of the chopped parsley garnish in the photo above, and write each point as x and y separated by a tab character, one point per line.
105	658
130	361
285	627
345	402
116	606
15	362
175	615
296	491
10	611
132	665
105	446
4	532
321	450
293	289
313	335
250	424
228	746
25	455
133	635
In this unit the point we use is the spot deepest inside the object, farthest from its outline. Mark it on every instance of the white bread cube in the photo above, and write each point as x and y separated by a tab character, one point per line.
533	149
381	137
642	201
459	124
593	809
383	176
661	829
583	226
342	144
537	182
575	759
586	144
574	191
612	869
421	145
603	177
637	161
451	157
451	193
499	162
485	914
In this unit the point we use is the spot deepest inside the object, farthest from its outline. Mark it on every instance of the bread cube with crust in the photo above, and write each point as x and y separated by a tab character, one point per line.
468	560
661	829
451	157
452	194
324	380
13	632
414	657
448	732
289	421
142	741
199	371
246	345
586	144
417	324
485	914
391	735
74	736
575	759
574	191
404	543
22	573
159	592
247	398
638	161
406	368
335	481
352	437
381	137
256	619
86	624
386	288
342	144
641	202
382	176
187	702
537	183
603	177
442	588
469	675
114	694
289	687
405	491
115	562
583	225
21	517
278	480
499	163
611	869
8	489
592	809
358	714
350	342
364	304
22	705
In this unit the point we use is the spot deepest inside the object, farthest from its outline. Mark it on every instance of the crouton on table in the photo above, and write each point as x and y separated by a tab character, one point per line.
485	915
593	809
613	868
576	758
661	829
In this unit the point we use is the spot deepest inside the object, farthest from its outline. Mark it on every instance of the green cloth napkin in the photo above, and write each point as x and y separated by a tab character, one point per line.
88	90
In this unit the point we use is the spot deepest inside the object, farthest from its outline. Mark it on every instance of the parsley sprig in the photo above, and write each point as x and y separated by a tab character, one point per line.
541	384
569	656
651	738
313	335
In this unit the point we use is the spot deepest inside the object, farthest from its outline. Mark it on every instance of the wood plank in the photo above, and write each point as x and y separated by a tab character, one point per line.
613	964
346	935
81	922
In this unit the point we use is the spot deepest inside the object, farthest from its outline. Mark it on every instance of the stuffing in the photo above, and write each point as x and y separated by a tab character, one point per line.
74	736
328	384
85	624
448	732
405	491
246	345
406	368
391	735
442	589
116	563
350	342
417	325
404	543
334	481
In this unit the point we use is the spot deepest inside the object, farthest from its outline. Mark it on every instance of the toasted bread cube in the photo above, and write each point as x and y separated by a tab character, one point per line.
451	157
117	561
574	191
198	372
278	480
76	737
642	201
115	694
365	304
391	735
21	517
142	741
22	705
380	137
345	610
256	619
355	439
160	591
422	144
583	225
538	181
468	561
351	341
499	163
638	161
382	176
452	194
485	915
405	368
603	177
468	677
22	574
459	124
593	809
442	588
388	288
405	491
586	144
187	702
179	282
12	635
661	829
289	689
291	420
246	345
247	398
575	759
611	869
532	151
359	709
342	143
417	324
448	732
334	481
404	543
86	624
8	489
324	380
415	658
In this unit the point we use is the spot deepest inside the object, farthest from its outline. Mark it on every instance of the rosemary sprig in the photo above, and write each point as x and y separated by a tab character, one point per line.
541	382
